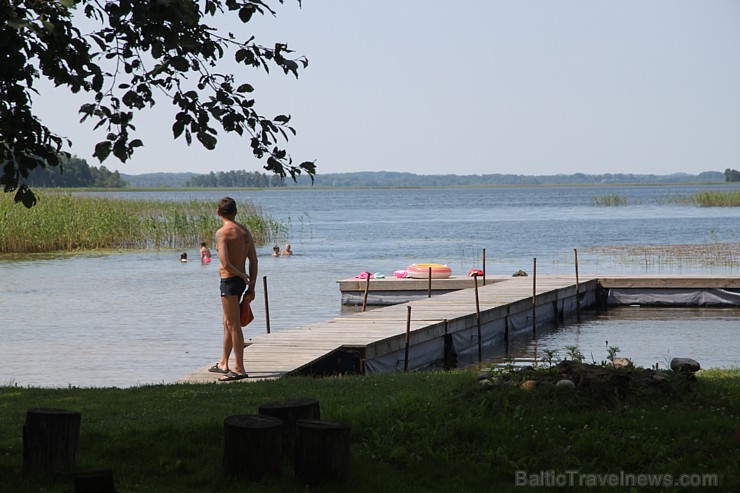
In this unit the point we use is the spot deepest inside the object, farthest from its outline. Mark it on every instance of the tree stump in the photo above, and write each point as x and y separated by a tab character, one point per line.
321	451
252	445
94	481
289	411
50	441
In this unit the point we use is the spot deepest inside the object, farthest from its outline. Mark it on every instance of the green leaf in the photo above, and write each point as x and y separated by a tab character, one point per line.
310	167
275	165
102	150
245	13
208	140
178	127
210	7
25	195
180	64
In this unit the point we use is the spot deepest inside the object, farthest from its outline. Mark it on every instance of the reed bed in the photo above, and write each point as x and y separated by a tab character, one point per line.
710	198
66	222
609	200
705	254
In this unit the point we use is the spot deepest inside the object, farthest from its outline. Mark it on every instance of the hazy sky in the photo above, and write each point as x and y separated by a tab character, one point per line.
434	87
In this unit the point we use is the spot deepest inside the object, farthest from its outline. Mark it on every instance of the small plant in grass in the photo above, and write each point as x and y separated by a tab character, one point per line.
611	351
551	357
593	360
574	354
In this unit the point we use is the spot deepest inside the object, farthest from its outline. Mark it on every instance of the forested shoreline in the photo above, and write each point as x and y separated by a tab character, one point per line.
76	172
402	179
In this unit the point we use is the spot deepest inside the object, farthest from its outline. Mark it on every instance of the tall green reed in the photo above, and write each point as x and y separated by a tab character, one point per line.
67	222
710	198
609	200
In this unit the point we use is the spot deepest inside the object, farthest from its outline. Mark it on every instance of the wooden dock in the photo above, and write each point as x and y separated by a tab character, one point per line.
375	340
392	290
353	342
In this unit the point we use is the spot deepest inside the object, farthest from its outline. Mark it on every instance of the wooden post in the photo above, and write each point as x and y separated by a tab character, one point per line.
534	297
506	326
477	318
430	283
253	445
578	297
408	339
484	266
267	304
94	481
50	441
367	289
288	411
448	353
321	451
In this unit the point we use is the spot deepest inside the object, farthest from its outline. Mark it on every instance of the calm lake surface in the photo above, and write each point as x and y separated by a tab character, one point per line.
124	319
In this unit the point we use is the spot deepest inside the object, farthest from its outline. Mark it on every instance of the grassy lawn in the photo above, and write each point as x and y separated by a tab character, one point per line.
414	432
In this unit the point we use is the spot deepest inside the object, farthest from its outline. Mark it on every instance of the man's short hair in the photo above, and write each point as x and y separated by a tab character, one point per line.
227	206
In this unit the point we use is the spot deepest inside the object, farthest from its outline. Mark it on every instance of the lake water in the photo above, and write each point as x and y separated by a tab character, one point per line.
123	319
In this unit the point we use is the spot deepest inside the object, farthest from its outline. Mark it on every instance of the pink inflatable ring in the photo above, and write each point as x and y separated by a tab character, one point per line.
421	271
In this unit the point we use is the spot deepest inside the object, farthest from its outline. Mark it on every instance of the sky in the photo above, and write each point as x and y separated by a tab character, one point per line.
526	87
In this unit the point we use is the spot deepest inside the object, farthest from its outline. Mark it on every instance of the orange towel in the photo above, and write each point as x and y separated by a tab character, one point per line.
245	313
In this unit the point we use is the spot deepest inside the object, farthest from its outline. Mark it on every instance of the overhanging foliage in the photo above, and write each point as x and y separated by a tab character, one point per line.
141	51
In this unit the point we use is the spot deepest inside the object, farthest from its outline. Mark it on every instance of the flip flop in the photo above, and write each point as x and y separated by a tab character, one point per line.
231	376
216	369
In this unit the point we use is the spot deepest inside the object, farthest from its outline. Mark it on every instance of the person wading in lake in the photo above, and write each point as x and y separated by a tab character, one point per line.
235	246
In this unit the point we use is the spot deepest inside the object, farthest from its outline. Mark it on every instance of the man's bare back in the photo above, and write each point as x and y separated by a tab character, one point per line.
233	244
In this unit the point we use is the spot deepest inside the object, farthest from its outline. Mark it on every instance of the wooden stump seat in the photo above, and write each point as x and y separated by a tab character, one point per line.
50	441
321	451
289	411
252	445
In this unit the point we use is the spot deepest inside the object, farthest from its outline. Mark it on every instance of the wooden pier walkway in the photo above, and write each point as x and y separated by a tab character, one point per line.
370	335
375	340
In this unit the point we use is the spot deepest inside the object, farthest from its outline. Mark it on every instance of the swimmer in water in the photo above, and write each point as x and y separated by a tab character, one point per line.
205	253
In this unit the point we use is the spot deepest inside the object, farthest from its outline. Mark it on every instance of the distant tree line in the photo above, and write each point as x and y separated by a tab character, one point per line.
732	175
75	173
238	179
158	180
399	179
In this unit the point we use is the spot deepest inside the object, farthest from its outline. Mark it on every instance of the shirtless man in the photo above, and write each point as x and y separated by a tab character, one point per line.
235	246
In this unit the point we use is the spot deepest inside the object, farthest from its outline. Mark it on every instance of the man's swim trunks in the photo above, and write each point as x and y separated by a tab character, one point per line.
233	286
